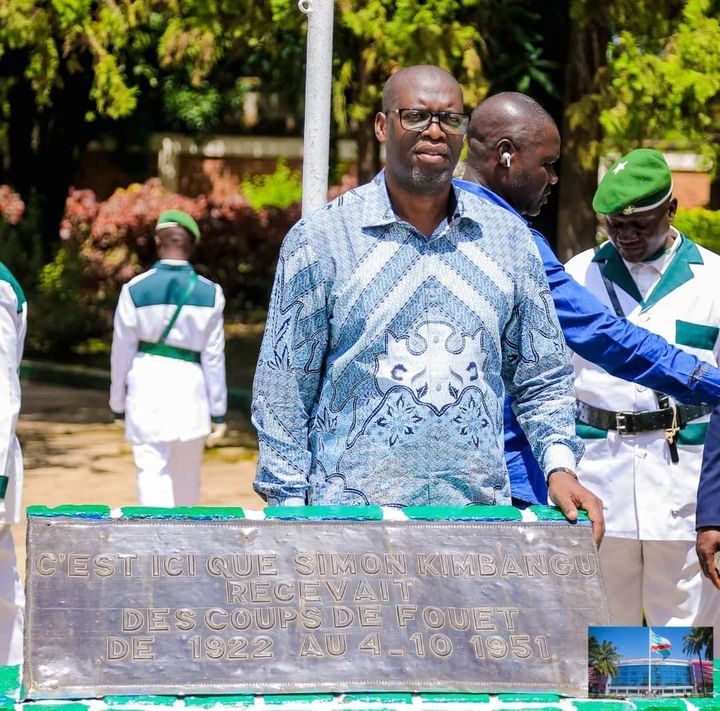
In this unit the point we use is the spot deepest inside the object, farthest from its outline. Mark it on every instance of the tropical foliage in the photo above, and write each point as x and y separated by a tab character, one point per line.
603	657
699	641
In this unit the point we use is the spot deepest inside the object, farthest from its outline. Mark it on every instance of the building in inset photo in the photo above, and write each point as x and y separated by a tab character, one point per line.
675	661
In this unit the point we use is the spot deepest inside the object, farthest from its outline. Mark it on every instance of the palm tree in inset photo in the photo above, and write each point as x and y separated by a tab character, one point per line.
603	657
699	641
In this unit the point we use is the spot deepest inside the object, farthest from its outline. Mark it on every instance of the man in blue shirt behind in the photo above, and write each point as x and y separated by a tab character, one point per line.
513	144
707	517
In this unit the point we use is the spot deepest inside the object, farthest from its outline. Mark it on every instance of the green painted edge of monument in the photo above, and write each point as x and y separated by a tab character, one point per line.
538	697
81	511
209	701
552	513
10	682
378	697
451	697
709	704
463	513
278	699
184	512
65	705
124	700
660	704
327	513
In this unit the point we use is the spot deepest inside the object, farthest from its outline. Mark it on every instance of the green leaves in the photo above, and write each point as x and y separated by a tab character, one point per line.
663	75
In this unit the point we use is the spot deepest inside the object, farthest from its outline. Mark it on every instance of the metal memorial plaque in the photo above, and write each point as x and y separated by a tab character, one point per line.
183	606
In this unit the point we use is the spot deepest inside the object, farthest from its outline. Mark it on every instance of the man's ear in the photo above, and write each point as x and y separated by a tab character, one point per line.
504	152
672	208
157	241
381	126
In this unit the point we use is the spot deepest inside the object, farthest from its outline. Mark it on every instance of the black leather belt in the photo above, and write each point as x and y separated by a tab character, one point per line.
630	423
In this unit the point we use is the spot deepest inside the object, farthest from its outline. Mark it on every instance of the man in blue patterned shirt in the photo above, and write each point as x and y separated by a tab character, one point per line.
400	315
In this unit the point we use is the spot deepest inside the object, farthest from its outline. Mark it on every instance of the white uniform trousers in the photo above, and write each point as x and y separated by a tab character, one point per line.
12	602
664	579
168	473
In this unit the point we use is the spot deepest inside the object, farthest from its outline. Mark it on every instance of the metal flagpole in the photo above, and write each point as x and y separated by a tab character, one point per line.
318	87
649	663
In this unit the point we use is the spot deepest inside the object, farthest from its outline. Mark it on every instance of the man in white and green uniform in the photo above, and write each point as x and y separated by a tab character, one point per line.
642	450
13	323
168	367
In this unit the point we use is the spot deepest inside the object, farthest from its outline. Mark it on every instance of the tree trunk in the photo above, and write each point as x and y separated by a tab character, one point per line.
368	150
715	193
62	135
576	218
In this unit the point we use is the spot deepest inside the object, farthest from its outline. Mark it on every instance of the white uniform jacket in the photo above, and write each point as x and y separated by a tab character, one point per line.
646	496
168	397
13	324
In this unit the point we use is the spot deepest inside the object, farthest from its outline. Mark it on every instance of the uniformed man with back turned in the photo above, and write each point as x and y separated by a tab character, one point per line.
13	324
168	367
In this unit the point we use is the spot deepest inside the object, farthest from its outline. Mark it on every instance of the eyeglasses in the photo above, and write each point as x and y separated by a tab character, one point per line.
419	120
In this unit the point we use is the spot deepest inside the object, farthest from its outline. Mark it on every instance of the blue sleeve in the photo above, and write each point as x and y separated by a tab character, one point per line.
708	496
623	349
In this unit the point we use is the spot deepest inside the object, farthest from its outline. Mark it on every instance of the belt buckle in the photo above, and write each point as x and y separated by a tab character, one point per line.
623	427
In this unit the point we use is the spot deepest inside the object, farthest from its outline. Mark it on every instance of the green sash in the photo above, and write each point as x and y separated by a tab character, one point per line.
163	349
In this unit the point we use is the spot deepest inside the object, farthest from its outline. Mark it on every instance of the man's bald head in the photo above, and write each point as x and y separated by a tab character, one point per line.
508	115
417	75
513	143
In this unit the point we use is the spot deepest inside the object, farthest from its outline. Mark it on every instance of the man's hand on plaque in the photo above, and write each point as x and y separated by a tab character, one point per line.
707	546
566	492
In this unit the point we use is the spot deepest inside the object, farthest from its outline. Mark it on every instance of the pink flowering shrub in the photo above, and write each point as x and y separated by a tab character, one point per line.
115	239
12	206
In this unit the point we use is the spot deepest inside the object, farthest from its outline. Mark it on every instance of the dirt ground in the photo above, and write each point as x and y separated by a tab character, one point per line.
74	454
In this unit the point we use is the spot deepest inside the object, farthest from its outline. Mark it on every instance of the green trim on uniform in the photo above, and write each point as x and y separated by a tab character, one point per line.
696	335
167	285
4	481
218	419
677	273
168	351
6	275
694	433
615	270
585	431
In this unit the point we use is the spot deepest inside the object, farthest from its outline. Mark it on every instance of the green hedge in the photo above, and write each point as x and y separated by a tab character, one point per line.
701	225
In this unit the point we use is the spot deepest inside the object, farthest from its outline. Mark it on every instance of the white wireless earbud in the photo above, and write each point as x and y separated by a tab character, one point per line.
507	159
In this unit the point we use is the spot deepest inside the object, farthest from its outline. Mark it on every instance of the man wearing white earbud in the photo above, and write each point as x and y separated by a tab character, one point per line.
513	146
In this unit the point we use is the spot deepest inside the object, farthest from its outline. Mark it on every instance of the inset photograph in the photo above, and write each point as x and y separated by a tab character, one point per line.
650	662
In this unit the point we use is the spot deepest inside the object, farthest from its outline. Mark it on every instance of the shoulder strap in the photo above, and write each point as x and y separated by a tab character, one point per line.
662	399
183	300
610	288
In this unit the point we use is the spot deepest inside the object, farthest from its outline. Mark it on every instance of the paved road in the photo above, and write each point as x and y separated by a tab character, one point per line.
74	455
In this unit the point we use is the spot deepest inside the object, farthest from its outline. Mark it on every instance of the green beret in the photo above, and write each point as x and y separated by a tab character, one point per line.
178	218
639	181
